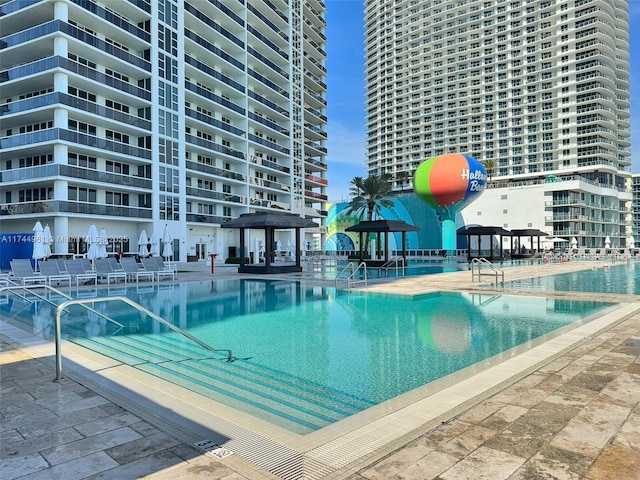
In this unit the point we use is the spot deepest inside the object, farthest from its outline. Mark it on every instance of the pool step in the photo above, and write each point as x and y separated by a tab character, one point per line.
295	403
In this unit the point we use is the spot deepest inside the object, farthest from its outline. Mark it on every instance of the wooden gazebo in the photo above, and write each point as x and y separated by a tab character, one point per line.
269	222
382	227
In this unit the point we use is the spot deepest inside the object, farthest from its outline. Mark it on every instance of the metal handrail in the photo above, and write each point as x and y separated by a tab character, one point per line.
351	281
57	292
64	305
483	261
394	263
348	266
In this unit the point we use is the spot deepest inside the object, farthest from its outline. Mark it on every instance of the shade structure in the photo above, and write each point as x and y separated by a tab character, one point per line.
143	241
607	242
38	243
155	245
574	242
486	232
167	244
269	222
631	243
48	241
383	228
104	241
93	241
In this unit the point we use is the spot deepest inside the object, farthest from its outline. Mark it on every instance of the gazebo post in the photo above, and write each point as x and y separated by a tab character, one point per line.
242	247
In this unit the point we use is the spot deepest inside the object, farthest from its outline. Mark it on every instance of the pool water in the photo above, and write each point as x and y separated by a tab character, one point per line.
306	357
616	279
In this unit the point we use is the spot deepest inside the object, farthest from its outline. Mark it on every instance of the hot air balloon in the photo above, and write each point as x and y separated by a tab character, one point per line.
448	183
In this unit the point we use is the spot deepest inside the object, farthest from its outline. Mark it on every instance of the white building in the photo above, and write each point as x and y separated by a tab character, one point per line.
537	90
139	114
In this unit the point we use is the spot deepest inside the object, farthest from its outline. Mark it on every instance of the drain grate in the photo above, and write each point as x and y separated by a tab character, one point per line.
211	448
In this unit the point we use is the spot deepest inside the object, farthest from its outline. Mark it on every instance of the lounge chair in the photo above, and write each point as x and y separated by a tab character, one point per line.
103	270
51	270
150	265
22	272
76	269
133	270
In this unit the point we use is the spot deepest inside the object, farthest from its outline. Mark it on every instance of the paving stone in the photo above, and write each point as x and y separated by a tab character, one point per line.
591	429
37	444
503	417
623	390
616	462
141	447
101	425
51	422
429	467
78	469
10	436
149	466
79	448
19	466
484	464
590	381
467	441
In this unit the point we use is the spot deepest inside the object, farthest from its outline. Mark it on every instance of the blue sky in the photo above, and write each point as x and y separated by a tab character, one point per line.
346	101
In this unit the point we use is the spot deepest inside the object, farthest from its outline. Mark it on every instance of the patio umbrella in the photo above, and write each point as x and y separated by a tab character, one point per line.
93	240
574	242
167	244
142	244
102	247
631	243
607	242
38	243
48	241
155	245
289	248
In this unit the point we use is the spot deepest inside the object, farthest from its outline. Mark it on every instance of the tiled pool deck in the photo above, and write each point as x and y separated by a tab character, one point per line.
566	409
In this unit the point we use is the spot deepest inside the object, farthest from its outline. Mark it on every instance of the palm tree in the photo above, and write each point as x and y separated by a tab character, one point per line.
490	165
370	195
401	178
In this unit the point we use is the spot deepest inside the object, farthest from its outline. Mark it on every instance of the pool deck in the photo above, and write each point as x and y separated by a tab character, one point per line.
568	408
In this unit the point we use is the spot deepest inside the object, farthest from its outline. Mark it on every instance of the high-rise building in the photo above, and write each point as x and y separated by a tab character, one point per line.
150	114
537	90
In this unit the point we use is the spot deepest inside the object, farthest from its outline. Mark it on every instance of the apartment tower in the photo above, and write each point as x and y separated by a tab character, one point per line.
150	114
537	90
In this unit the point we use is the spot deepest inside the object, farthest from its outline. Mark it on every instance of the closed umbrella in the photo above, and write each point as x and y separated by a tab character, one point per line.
142	244
607	242
104	241
167	244
631	243
48	241
93	240
574	242
38	243
155	245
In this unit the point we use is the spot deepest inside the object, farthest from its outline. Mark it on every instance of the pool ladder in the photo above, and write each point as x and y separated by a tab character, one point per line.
351	279
476	270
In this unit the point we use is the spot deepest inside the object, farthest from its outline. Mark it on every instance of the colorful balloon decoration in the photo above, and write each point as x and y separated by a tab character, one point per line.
448	183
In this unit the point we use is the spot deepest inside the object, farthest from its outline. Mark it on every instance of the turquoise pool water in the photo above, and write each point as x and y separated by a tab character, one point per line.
618	279
305	357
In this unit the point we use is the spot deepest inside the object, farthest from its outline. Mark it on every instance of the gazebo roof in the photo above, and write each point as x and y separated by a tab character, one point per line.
528	232
269	219
382	226
479	230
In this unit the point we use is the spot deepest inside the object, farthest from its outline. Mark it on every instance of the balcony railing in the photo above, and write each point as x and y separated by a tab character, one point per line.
67	206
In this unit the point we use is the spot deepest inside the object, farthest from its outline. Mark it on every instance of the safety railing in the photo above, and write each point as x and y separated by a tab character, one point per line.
351	279
397	263
64	305
476	270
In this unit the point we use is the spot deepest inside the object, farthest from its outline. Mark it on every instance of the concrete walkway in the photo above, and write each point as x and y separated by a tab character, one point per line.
575	417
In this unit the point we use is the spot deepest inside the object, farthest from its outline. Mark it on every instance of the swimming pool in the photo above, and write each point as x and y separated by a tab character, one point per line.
306	357
616	279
